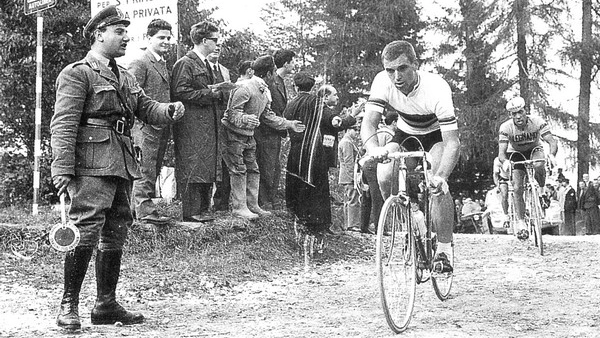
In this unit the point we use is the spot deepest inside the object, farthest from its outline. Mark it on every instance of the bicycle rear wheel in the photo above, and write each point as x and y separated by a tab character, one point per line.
396	264
535	219
442	282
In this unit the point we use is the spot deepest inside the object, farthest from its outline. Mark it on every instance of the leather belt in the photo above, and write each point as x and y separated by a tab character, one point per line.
120	126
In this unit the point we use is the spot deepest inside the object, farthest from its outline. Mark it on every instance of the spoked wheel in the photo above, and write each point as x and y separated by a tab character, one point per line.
535	221
396	264
442	282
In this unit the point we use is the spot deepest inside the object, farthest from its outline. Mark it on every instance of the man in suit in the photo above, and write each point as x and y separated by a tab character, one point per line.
152	74
197	153
268	140
222	186
94	161
588	202
567	228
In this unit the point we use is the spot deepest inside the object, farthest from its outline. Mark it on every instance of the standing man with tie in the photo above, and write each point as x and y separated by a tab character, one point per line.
268	140
223	188
93	160
151	141
197	154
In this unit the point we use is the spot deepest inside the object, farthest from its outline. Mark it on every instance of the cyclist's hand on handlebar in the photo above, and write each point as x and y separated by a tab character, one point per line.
438	186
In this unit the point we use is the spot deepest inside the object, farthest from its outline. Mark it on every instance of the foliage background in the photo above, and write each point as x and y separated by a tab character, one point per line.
337	41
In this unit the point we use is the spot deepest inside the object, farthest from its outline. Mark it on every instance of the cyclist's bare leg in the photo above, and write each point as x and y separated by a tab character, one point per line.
540	168
519	186
504	197
385	173
442	206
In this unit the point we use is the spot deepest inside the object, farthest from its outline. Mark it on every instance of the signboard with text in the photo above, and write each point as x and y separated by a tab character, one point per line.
34	6
140	13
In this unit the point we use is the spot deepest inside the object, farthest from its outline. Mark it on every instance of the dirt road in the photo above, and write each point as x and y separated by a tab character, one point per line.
502	289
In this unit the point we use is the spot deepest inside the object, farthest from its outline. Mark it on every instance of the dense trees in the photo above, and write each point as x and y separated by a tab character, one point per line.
490	50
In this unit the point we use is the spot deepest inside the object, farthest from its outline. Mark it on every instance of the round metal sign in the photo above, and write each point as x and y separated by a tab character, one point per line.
64	237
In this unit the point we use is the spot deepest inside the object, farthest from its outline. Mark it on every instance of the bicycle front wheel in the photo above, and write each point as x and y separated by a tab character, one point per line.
396	264
535	219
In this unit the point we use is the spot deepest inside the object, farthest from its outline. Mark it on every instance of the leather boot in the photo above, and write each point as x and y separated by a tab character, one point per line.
252	183
107	310
76	264
239	208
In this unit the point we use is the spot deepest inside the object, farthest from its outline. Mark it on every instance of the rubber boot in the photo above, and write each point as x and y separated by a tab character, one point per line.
76	264
107	310
252	183
239	208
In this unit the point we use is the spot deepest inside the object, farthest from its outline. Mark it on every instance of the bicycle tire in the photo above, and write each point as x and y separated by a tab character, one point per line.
442	284
396	264
535	219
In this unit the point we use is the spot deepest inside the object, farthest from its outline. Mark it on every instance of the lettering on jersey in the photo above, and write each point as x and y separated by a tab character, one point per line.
526	137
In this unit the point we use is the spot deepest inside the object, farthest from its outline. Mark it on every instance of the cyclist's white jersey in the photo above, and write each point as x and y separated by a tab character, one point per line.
426	109
526	138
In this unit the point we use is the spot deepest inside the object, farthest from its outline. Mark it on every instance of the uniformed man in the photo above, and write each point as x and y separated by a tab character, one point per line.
94	161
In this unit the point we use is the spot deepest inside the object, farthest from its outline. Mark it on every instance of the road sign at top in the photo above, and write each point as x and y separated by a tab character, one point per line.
34	6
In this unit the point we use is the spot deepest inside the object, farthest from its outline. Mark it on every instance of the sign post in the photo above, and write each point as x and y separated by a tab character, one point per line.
37	6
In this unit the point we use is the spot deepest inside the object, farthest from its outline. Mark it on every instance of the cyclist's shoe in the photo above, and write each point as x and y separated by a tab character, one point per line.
523	234
441	263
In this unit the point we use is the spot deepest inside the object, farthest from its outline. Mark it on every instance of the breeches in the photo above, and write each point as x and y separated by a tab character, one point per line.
100	210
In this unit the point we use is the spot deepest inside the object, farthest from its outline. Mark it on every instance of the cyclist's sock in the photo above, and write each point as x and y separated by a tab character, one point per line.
445	248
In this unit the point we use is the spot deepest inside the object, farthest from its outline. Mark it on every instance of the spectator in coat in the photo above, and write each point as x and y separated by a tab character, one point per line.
197	155
307	180
588	202
151	141
567	228
249	106
268	139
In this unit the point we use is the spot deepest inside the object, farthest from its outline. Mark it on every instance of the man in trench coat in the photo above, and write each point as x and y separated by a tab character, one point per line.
197	153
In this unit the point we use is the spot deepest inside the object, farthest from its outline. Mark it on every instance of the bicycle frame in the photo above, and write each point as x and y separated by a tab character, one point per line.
425	249
531	200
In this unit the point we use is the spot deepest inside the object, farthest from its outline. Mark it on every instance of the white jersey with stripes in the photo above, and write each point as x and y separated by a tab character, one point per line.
426	109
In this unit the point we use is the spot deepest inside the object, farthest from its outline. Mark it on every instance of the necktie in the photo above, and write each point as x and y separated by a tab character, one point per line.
210	73
113	66
217	74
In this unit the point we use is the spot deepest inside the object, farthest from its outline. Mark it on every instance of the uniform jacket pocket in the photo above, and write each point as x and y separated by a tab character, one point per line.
93	150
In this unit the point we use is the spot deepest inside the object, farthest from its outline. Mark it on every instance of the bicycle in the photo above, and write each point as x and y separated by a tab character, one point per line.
534	214
405	246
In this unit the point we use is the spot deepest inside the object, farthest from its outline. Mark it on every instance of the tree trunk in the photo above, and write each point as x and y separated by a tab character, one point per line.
583	119
521	7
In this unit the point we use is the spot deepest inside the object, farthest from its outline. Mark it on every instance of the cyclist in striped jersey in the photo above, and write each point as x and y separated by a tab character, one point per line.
424	104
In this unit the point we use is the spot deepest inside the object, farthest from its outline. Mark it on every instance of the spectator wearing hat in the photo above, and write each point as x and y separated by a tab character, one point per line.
94	161
152	74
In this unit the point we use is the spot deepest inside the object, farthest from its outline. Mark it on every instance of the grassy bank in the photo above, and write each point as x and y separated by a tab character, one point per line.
179	258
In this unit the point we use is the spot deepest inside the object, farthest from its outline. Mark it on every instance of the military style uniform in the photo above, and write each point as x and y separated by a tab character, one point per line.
91	141
94	157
